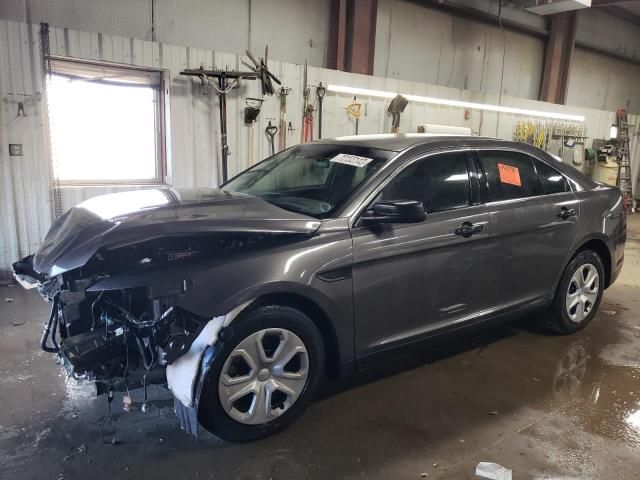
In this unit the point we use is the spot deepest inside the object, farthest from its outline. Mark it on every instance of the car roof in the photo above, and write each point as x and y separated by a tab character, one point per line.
398	142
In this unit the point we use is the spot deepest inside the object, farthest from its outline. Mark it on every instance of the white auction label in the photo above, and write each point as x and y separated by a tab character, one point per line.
352	160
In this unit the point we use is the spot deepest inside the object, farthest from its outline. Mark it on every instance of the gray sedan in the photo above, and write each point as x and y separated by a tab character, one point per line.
316	261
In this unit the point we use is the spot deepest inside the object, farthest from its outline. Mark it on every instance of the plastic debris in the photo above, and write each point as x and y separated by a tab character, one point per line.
493	412
493	471
424	475
17	323
126	403
8	299
82	448
435	465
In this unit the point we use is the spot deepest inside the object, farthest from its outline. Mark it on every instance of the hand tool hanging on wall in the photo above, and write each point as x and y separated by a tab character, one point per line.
251	112
226	81
282	135
396	107
307	110
320	92
261	69
354	111
271	131
307	125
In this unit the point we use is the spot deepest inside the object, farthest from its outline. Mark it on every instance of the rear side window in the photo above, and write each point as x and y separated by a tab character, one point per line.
510	175
439	182
551	180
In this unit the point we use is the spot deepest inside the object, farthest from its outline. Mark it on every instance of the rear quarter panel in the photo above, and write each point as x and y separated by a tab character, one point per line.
602	217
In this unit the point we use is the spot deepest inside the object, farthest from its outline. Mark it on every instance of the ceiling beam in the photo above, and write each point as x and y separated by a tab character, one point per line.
622	14
612	3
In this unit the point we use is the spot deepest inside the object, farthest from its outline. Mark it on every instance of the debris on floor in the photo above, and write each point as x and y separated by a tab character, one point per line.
493	412
493	471
126	403
8	299
609	313
17	323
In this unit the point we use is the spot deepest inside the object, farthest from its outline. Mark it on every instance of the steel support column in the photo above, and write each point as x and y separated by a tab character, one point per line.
557	62
352	35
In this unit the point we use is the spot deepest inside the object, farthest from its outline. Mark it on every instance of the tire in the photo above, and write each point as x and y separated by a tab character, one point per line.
250	347
566	320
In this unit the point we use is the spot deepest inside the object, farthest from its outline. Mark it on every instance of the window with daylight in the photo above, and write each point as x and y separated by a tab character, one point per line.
106	123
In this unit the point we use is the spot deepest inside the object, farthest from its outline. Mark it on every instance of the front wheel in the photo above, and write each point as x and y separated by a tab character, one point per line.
579	293
264	376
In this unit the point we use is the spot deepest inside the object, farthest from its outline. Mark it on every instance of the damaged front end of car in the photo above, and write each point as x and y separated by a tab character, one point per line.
119	338
117	268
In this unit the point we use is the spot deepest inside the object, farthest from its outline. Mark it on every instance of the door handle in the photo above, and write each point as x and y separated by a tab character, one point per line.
467	229
565	213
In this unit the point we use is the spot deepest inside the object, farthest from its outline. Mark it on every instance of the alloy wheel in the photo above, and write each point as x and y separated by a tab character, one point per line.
582	293
263	376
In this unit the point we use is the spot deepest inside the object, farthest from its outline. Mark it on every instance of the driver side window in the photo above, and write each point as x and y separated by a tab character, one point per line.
440	182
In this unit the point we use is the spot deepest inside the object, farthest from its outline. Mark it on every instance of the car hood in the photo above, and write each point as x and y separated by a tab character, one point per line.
136	216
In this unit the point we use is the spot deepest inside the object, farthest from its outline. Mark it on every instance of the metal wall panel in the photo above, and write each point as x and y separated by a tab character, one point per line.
25	205
426	45
224	25
599	30
598	81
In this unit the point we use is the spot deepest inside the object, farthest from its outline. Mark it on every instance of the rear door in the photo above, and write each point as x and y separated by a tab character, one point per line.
534	216
412	279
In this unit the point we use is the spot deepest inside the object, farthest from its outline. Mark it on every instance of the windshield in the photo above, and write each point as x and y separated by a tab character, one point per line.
313	179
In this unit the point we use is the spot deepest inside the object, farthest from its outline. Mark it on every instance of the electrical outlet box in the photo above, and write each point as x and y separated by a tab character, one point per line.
15	149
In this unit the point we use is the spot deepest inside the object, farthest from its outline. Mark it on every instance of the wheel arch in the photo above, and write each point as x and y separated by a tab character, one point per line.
600	247
597	243
317	315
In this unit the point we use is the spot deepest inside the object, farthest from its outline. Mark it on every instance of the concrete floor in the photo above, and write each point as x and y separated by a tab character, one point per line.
545	406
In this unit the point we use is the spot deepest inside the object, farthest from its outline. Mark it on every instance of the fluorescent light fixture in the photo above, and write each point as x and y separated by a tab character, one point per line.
455	103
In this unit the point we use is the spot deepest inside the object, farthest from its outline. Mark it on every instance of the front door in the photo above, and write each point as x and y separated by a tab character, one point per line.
410	280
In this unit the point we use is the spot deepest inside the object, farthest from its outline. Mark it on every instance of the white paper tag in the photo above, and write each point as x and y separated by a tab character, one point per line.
352	160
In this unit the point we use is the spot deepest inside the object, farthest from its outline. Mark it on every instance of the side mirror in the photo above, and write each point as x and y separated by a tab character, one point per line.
395	211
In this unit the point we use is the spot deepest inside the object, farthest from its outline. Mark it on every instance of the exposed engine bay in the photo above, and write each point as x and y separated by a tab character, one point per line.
123	338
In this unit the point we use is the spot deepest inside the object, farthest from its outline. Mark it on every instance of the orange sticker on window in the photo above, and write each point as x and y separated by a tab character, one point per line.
509	174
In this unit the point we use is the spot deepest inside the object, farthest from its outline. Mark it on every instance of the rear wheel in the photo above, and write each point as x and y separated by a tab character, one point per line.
264	376
579	293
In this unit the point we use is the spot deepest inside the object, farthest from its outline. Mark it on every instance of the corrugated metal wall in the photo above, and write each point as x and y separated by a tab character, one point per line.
25	210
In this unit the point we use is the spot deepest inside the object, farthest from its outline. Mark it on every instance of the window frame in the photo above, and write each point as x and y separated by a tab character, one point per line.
566	179
473	198
161	116
484	182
